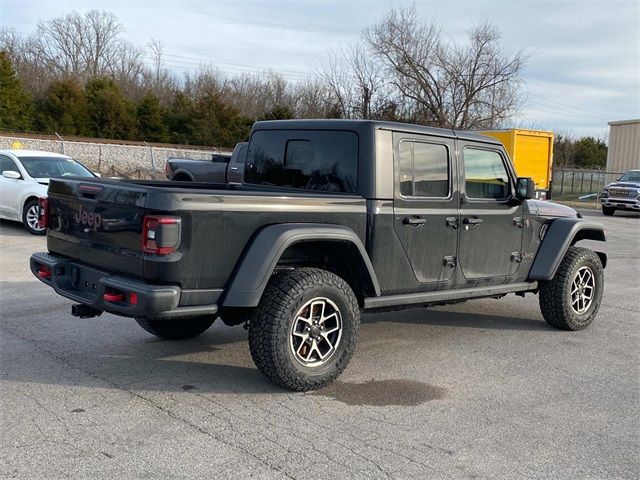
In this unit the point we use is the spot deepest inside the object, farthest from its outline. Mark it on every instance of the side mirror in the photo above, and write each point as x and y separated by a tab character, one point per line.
97	174
11	174
525	188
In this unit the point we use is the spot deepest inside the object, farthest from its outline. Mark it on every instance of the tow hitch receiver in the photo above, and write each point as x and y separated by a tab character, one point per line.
84	311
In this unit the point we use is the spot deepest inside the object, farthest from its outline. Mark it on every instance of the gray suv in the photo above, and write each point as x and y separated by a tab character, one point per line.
624	194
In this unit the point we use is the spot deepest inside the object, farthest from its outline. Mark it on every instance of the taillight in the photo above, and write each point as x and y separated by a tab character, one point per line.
160	235
43	214
113	297
44	272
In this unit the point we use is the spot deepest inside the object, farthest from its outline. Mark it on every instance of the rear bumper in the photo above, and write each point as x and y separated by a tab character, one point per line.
112	293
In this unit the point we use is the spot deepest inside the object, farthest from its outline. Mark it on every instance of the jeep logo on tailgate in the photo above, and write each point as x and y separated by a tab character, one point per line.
90	219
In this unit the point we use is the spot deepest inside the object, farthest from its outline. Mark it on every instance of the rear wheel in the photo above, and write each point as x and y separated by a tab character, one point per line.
570	301
608	211
177	329
30	215
303	333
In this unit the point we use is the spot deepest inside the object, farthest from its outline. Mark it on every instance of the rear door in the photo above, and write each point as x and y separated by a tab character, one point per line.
426	205
491	221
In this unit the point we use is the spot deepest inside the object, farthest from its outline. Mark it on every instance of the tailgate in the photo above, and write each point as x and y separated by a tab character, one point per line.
98	223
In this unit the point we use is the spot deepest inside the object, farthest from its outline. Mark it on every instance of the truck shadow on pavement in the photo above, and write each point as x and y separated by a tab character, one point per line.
44	344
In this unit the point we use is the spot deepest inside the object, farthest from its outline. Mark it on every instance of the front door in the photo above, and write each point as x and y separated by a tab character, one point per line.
9	190
490	220
426	205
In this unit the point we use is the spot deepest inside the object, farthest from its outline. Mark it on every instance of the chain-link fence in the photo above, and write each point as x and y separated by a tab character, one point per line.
569	184
111	159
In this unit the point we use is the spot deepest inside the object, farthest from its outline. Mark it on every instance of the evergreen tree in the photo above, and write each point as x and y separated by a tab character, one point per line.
179	119
63	109
151	126
218	124
15	104
589	152
279	112
110	115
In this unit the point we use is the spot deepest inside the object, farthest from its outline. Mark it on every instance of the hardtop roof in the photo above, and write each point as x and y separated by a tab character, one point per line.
346	124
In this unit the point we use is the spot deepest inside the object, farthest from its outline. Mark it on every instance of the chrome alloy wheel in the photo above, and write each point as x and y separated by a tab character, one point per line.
32	218
583	288
315	332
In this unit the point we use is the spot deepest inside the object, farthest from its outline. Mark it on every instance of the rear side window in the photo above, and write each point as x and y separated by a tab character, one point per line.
485	174
310	160
424	169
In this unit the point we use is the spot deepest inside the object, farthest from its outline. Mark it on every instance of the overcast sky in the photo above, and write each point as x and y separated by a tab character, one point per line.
584	70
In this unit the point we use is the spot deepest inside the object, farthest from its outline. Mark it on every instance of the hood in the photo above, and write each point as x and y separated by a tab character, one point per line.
550	209
624	185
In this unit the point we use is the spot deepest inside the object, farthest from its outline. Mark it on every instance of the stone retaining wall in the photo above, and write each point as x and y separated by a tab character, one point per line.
110	159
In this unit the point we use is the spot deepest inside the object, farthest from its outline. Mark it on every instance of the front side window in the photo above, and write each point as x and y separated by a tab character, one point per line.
310	160
423	169
7	164
49	167
485	174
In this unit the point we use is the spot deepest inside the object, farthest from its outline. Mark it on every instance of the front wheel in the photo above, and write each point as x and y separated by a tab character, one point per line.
608	211
570	300
177	329
30	216
303	333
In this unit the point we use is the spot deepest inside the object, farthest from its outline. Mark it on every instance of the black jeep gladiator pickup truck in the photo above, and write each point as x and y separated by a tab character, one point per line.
334	217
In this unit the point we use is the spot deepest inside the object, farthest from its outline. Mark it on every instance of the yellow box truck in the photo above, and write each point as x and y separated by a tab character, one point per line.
531	152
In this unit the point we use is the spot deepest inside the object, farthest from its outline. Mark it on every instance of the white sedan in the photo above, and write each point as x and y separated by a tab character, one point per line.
24	178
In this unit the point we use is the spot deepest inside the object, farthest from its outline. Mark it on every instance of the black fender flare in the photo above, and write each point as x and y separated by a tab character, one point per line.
560	235
254	269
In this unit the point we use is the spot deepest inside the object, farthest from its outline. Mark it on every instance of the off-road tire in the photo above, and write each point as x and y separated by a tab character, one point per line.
25	211
178	329
608	211
271	323
555	294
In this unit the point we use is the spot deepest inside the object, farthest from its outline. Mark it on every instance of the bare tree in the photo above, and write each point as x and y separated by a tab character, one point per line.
313	100
255	94
82	47
32	74
156	51
355	80
449	85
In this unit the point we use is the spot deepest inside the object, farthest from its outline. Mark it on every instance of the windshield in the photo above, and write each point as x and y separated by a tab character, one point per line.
630	177
48	167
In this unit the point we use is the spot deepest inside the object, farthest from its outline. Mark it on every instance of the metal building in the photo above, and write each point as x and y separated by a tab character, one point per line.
624	146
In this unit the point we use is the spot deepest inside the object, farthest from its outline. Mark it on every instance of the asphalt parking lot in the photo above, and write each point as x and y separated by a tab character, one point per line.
483	389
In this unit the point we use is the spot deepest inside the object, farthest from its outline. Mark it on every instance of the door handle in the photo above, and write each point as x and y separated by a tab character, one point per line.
416	221
452	222
472	221
233	168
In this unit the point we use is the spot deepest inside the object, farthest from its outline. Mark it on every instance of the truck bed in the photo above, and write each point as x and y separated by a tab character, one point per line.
99	223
